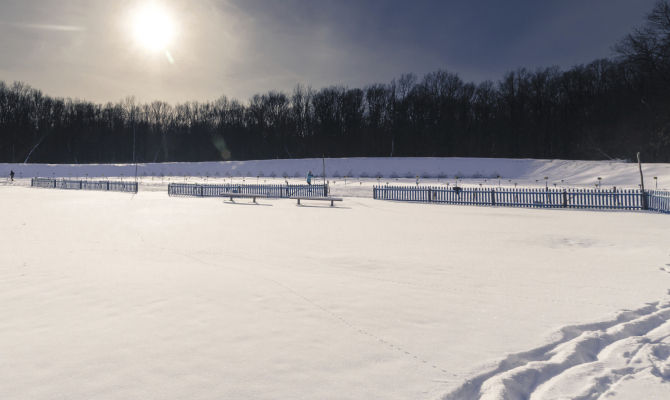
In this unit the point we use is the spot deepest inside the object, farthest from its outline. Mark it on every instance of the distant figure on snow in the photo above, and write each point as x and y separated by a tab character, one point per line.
309	177
11	175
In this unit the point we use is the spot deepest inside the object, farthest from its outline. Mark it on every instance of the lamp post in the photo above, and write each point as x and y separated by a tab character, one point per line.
599	180
656	182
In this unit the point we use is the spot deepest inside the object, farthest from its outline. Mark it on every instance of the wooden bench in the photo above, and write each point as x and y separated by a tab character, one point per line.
233	195
331	199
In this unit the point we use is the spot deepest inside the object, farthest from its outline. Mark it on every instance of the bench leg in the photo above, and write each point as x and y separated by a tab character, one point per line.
298	201
231	199
254	199
332	203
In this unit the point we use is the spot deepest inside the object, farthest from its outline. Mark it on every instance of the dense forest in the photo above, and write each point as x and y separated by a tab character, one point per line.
610	108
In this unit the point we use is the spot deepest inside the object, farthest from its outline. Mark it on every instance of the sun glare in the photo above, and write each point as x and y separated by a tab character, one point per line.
153	28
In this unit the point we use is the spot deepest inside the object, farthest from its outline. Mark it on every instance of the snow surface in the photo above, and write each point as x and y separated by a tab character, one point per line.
118	296
476	170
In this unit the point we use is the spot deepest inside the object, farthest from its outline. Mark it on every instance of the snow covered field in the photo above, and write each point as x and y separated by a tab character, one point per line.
115	296
474	171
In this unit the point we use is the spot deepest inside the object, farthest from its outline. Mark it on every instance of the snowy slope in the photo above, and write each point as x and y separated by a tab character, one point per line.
521	171
115	296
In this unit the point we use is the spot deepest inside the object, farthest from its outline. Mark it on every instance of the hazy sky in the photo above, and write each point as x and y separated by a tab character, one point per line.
90	49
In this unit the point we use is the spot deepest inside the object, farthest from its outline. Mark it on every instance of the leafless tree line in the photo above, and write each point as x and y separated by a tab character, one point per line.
609	108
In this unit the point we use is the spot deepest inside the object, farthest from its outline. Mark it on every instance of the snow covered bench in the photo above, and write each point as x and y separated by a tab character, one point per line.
233	195
326	198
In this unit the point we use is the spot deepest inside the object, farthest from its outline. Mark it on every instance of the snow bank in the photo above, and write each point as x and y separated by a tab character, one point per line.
588	362
521	171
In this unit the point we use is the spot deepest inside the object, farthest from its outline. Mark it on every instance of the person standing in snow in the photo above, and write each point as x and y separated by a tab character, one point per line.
11	175
309	177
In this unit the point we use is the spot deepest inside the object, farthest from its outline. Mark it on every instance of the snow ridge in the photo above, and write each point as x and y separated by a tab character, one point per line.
522	171
584	364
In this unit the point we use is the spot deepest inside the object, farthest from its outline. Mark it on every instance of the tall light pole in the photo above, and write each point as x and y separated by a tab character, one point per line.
134	157
644	196
325	187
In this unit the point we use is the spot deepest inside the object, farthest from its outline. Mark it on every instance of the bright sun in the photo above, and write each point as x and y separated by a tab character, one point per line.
153	28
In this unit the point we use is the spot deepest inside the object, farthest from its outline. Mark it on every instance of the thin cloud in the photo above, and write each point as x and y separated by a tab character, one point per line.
47	27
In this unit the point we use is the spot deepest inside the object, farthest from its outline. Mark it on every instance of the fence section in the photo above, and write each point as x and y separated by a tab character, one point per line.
659	200
112	186
43	183
626	199
278	191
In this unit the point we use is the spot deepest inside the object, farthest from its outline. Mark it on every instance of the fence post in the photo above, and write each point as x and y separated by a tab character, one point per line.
565	198
547	198
493	197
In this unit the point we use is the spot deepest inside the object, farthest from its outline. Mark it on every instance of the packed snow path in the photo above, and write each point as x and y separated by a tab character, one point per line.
110	295
589	362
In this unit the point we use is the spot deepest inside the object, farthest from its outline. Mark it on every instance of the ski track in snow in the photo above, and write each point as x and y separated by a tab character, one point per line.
585	364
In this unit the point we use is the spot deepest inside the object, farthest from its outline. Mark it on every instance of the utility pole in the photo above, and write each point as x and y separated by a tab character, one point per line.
644	194
134	157
325	188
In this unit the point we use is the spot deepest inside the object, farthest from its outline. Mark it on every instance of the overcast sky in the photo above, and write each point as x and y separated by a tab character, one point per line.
89	49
